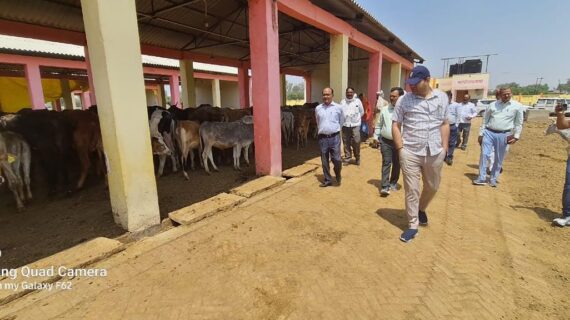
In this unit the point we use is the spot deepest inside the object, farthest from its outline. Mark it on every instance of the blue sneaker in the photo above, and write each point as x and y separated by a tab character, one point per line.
422	216
408	235
478	182
493	184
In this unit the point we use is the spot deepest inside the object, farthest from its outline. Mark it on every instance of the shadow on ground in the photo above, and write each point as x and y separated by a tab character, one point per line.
397	217
543	213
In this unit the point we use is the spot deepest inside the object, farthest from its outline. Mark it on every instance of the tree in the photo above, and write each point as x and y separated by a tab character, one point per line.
531	89
564	87
295	91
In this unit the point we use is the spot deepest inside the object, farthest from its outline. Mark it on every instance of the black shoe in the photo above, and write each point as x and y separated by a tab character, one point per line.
501	170
338	180
325	184
423	218
449	161
463	148
357	162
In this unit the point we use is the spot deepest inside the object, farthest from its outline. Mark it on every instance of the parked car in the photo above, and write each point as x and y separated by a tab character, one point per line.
550	103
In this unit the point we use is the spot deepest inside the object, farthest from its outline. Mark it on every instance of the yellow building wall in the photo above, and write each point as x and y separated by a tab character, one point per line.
14	92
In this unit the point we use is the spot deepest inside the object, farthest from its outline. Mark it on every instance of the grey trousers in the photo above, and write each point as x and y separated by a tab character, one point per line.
463	134
351	141
390	160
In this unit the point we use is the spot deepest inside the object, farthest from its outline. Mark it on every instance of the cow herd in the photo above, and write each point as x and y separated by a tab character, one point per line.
62	147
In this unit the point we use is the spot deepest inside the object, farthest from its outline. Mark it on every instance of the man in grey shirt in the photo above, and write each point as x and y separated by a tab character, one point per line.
422	143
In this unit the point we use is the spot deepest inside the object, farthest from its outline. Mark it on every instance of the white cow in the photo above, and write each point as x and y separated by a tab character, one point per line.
158	119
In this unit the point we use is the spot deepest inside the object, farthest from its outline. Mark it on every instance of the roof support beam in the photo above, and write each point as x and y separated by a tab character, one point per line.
309	13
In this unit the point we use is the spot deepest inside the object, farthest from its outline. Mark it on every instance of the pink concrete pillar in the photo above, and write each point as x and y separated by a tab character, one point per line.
406	76
374	76
35	90
264	49
174	90
243	83
85	100
92	98
308	88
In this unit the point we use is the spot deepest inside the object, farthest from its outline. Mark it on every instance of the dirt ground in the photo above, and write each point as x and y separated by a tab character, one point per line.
48	226
304	252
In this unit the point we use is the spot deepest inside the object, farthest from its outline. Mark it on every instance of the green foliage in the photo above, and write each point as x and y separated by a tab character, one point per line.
531	89
295	91
564	87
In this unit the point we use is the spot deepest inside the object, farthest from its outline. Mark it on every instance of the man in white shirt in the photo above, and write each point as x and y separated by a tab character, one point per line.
353	112
465	112
453	119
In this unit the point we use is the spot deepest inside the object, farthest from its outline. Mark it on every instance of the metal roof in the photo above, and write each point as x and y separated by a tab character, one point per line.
215	27
27	46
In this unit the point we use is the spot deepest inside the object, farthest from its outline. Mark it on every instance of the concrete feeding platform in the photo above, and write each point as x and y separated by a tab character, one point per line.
258	185
206	208
299	170
47	268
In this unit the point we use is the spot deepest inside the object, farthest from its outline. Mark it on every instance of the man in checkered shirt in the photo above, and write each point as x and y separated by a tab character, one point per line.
421	132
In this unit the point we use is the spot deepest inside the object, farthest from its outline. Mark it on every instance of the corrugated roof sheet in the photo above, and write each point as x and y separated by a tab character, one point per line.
56	48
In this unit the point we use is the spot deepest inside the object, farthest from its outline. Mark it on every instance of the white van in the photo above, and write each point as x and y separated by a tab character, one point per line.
549	104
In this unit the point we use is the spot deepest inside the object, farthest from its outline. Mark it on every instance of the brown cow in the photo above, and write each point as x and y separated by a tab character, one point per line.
302	129
231	115
188	138
86	141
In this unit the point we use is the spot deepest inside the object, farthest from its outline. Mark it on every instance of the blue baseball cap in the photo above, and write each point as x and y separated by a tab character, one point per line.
418	74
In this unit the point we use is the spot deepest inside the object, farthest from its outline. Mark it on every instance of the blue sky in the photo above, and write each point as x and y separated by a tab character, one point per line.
532	38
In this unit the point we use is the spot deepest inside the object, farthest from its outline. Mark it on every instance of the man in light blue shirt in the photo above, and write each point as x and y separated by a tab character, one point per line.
465	112
453	119
383	133
329	117
500	118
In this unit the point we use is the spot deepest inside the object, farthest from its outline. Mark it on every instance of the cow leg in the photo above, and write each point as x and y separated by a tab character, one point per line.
19	182
237	155
205	152
162	161
85	162
193	165
183	159
26	162
210	155
12	183
246	153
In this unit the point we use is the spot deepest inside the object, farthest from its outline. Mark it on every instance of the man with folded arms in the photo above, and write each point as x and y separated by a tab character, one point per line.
422	143
500	118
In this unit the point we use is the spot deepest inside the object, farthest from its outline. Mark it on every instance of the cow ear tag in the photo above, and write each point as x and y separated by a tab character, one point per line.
11	158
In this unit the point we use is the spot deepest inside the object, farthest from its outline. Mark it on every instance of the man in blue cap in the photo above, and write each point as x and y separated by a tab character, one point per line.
422	144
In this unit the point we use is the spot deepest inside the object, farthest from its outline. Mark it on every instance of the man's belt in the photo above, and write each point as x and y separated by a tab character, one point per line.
498	131
321	135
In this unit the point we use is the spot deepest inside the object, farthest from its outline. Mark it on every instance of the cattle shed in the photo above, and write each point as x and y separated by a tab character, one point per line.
65	77
328	42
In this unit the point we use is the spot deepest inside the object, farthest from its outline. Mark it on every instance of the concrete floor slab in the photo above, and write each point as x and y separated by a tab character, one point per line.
206	208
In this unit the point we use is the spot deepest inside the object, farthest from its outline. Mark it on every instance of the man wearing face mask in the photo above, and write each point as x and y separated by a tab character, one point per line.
353	112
